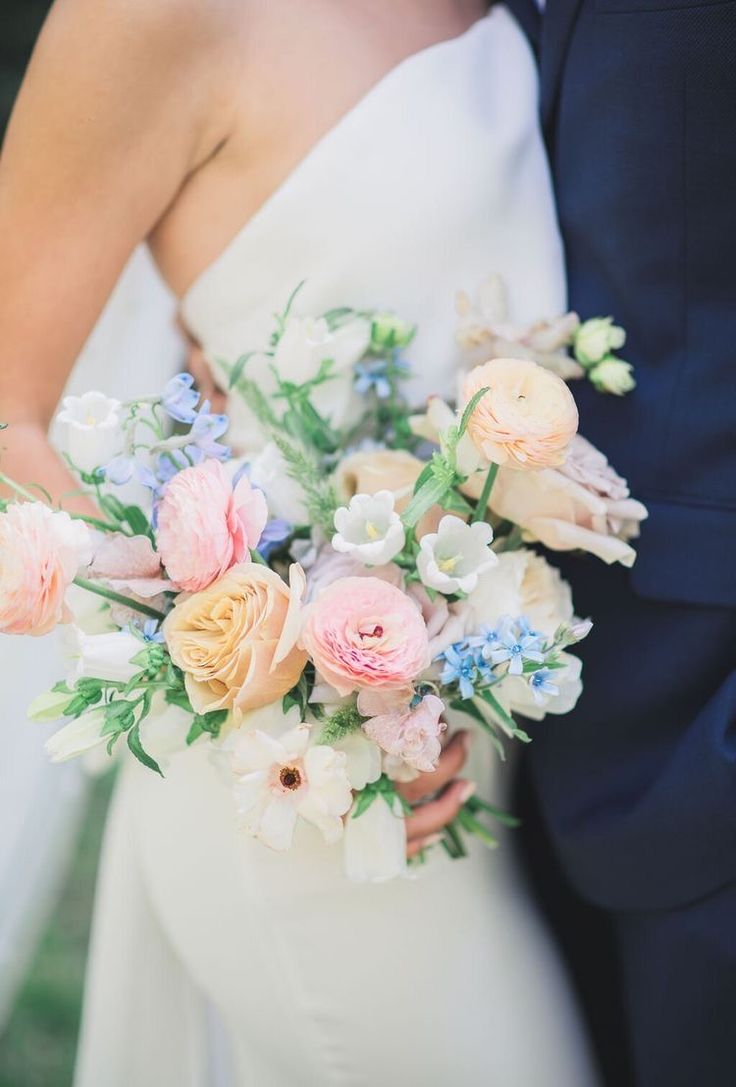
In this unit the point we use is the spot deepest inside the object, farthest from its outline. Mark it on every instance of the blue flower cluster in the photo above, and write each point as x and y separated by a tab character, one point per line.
470	663
179	400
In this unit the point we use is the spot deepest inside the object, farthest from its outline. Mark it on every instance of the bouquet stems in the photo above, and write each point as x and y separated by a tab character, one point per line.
117	598
482	504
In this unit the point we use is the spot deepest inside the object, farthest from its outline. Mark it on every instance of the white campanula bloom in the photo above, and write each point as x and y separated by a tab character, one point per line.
92	427
281	779
452	559
375	842
103	656
369	529
78	736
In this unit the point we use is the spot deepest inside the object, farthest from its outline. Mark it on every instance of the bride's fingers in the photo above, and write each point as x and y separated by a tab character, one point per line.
431	818
199	369
449	766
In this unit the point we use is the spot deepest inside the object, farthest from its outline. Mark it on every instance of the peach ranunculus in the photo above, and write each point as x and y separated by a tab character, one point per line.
528	417
41	551
205	525
393	470
236	640
585	505
362	633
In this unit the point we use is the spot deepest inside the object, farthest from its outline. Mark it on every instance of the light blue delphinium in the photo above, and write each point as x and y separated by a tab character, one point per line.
206	429
151	633
376	374
515	644
274	534
179	399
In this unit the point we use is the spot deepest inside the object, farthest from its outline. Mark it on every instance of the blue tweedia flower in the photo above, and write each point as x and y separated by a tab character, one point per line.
119	470
179	399
151	633
206	429
274	534
486	637
375	374
542	686
515	644
461	667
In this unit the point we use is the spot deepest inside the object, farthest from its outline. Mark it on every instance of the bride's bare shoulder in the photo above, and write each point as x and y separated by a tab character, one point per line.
132	56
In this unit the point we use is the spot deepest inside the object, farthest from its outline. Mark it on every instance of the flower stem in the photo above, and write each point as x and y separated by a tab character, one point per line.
117	598
482	504
22	491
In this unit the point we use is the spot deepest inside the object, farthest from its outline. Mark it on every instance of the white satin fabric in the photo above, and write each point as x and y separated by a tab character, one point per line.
133	348
436	179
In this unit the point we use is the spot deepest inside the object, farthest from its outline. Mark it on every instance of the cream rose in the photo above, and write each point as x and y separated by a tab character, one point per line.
236	640
526	419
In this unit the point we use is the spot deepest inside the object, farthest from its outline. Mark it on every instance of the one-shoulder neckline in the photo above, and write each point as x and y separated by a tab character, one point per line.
377	88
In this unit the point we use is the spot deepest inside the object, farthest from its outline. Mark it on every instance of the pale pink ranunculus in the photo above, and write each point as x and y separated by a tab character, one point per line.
41	551
411	734
362	632
526	419
205	525
584	505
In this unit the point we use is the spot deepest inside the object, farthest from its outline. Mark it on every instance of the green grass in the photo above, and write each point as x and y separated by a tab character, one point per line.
38	1046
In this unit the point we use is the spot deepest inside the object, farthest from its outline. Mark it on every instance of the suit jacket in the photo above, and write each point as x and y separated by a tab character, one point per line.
638	785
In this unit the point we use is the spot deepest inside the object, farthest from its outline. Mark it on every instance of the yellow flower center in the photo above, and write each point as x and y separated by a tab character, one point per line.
371	531
448	565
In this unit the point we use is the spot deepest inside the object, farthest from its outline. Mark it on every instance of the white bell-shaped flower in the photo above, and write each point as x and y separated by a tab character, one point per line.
369	529
452	559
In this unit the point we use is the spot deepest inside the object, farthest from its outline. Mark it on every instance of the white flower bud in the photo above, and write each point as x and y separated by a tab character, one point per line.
597	338
389	331
93	432
613	376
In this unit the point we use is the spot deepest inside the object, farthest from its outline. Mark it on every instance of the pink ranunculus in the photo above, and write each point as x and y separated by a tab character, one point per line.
41	551
412	735
129	565
206	526
362	632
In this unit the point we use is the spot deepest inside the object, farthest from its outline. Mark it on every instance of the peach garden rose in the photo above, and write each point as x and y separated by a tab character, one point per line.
526	419
362	633
205	525
236	640
41	551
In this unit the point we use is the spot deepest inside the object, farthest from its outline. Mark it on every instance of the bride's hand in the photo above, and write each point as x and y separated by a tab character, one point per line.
425	825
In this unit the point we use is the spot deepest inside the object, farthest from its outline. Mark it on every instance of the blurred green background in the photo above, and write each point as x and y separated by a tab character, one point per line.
38	1043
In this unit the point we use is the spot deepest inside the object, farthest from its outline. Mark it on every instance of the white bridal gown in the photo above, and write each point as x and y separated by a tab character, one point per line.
434	180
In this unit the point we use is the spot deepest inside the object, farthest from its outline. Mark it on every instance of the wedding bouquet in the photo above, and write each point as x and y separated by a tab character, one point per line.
317	614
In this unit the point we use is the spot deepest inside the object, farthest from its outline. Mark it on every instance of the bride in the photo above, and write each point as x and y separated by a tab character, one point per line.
387	153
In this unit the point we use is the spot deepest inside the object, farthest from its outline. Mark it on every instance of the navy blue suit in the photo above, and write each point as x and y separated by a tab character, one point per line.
637	787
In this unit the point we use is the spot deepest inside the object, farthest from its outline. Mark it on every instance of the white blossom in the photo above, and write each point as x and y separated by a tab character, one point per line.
596	338
103	656
375	843
369	529
78	736
452	559
281	779
613	376
93	432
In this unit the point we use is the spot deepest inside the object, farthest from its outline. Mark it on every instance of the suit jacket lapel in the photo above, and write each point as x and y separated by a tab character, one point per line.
557	23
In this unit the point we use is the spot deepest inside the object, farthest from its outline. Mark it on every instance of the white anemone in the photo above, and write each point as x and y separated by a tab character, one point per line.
369	529
452	559
278	780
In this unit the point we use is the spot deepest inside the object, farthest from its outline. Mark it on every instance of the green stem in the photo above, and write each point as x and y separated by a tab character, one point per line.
485	494
17	488
117	598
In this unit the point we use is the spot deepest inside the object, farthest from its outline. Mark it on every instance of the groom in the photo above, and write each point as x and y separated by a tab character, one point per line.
637	787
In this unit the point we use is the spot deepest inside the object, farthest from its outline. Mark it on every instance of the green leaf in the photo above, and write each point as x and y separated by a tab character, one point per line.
464	705
238	368
363	800
137	520
135	745
428	495
212	722
194	732
505	720
179	697
476	804
470	824
469	408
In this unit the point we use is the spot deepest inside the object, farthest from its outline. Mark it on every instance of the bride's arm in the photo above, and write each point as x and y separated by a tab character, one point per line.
113	116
